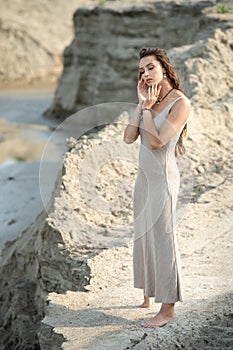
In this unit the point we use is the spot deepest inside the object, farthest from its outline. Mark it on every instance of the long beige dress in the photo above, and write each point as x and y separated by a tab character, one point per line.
155	252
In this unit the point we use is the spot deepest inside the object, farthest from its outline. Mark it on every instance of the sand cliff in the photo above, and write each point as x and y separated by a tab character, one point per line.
100	63
32	42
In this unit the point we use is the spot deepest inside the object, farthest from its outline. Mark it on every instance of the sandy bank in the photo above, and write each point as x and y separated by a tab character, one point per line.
107	315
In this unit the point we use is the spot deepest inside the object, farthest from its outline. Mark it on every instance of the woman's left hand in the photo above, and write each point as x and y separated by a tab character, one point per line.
152	97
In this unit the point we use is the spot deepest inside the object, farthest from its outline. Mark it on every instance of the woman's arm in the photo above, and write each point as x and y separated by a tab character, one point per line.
131	131
176	118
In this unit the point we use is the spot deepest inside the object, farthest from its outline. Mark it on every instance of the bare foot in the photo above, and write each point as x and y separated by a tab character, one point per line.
165	314
158	321
146	303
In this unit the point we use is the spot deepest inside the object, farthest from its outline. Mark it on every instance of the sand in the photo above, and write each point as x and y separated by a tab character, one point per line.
107	315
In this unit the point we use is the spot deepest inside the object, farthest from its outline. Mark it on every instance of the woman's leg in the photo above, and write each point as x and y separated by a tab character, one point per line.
165	314
146	303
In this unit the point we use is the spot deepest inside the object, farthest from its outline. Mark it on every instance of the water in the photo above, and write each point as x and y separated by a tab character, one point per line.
24	107
22	110
23	132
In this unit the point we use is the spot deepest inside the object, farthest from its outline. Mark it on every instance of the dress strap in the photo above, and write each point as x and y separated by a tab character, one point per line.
173	102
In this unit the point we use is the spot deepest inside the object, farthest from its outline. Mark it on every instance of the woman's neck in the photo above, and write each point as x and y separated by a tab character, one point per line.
166	86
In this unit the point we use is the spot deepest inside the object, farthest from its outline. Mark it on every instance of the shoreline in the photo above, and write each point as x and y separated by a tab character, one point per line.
24	134
21	86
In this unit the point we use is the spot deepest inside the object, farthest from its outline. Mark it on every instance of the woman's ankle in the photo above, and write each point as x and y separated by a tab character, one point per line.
168	310
146	300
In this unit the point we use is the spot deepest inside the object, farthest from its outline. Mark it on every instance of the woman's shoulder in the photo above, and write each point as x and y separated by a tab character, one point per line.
182	98
181	104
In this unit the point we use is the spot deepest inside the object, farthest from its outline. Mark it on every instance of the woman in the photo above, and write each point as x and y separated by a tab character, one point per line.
160	119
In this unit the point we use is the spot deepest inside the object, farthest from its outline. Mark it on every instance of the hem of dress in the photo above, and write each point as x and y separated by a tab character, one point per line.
160	300
167	301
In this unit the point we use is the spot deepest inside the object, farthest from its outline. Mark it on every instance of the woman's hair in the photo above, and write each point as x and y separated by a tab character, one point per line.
173	79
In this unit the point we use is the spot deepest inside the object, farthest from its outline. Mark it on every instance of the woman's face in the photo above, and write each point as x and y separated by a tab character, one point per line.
151	70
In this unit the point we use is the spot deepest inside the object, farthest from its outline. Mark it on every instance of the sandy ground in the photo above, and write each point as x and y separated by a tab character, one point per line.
107	316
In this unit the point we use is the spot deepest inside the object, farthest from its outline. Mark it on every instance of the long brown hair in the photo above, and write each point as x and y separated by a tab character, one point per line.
173	79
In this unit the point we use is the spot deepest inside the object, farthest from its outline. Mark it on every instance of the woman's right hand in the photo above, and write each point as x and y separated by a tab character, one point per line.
142	91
